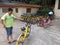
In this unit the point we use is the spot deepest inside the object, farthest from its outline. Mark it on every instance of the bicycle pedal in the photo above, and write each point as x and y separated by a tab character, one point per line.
22	35
27	35
21	42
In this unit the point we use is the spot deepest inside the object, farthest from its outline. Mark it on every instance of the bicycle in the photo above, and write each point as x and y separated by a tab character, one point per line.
25	34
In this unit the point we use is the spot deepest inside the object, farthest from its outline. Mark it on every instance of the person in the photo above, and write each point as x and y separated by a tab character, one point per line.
41	22
50	14
47	21
7	21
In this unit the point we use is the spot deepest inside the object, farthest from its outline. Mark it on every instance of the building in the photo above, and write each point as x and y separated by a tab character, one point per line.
57	8
19	9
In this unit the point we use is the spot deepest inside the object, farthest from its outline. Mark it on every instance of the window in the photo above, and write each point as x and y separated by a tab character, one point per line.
59	5
4	10
28	10
16	9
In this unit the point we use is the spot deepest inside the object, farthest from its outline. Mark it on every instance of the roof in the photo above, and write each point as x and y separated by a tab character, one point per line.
28	5
6	5
19	5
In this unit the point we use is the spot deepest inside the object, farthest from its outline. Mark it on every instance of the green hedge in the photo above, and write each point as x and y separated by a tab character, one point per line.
43	11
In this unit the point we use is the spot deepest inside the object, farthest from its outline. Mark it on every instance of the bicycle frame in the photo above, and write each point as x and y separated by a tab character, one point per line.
24	33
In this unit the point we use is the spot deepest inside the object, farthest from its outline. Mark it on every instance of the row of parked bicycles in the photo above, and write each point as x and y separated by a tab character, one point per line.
31	18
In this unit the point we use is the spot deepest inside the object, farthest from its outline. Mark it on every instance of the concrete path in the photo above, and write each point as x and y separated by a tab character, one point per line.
38	36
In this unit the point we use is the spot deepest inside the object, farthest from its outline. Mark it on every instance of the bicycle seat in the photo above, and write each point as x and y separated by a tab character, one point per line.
23	29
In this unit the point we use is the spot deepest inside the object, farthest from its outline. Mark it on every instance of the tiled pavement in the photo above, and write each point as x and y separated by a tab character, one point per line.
38	36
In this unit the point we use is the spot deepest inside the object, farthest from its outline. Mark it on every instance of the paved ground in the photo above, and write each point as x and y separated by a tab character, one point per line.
38	36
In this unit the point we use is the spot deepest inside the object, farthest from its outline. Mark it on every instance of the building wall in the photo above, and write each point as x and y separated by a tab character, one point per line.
34	10
21	11
1	14
56	10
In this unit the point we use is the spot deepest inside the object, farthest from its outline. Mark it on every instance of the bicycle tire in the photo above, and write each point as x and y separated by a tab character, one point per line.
18	40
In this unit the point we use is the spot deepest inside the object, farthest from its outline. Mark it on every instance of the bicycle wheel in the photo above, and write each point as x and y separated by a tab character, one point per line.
20	40
29	30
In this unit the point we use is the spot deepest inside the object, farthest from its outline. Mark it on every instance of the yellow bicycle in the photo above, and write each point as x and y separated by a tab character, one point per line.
25	33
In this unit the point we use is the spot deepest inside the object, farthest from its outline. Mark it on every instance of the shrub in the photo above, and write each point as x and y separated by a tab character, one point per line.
43	11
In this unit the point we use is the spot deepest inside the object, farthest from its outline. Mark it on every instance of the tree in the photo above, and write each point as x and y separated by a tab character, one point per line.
40	2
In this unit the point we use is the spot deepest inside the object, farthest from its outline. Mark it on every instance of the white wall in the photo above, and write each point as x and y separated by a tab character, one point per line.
56	10
1	14
34	10
21	11
14	12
